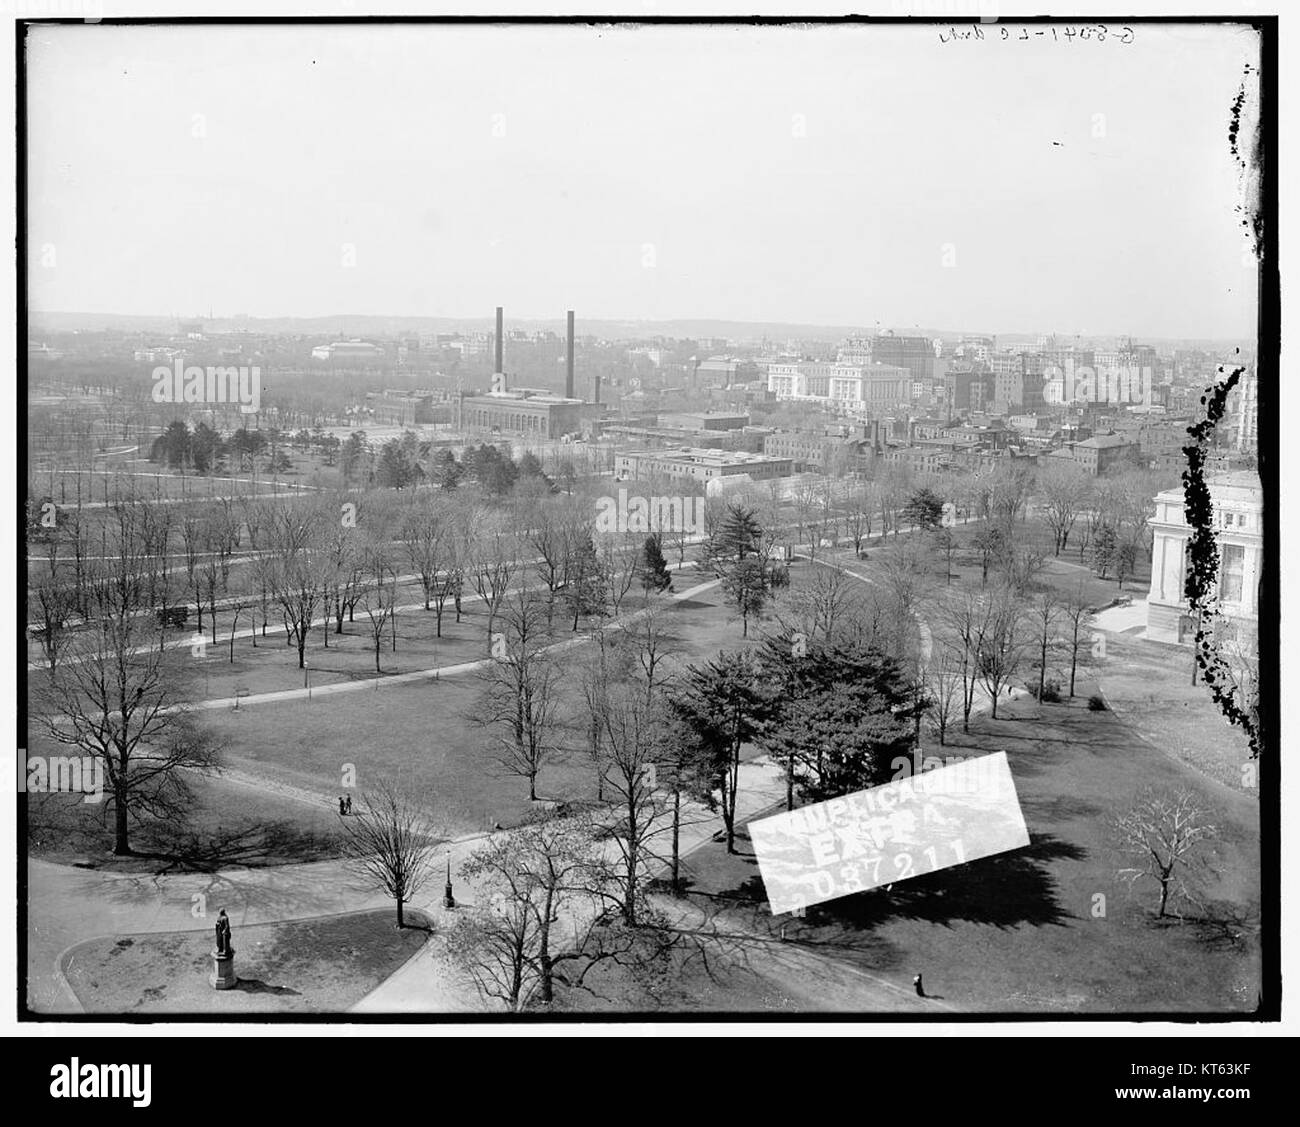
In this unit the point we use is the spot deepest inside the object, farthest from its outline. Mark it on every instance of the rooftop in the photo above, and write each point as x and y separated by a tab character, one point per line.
1105	441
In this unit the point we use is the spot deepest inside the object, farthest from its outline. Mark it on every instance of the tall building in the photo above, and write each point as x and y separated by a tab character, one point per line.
1243	411
967	389
916	354
1018	381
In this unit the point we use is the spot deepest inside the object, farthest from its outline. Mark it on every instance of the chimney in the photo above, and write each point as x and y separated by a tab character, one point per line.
499	367
568	362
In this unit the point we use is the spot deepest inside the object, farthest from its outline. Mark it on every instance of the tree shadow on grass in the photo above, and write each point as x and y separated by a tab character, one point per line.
1005	890
1064	808
251	847
1220	925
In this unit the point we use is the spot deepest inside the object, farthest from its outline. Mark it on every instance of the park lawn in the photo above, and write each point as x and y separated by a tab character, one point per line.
1017	932
1149	685
273	666
231	826
323	965
1062	572
685	983
418	734
422	735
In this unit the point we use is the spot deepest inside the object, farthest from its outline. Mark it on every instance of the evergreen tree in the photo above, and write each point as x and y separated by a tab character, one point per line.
723	704
738	534
587	591
654	568
838	715
923	509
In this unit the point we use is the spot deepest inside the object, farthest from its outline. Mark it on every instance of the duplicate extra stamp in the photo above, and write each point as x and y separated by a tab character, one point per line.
860	841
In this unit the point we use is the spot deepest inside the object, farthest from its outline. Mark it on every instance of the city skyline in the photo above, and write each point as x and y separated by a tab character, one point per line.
629	192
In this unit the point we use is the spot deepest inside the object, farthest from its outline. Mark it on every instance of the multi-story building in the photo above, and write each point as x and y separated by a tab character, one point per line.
1243	411
1097	454
916	354
522	412
1238	508
974	348
1018	381
852	387
349	353
967	389
394	407
801	379
819	452
854	351
724	372
698	465
705	420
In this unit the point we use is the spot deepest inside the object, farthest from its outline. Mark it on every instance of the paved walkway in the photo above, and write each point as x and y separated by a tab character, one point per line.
1131	619
68	906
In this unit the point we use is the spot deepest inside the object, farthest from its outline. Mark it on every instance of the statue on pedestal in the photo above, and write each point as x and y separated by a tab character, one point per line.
223	934
223	975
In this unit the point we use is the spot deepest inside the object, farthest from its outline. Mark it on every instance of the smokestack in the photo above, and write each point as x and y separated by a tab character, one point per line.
595	389
500	319
568	363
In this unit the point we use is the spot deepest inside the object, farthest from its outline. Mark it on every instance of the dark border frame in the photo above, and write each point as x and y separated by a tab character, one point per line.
1268	345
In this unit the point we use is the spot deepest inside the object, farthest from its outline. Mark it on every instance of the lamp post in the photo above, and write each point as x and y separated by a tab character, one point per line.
306	675
448	900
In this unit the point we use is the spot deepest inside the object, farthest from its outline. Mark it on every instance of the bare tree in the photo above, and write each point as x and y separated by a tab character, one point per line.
606	661
861	506
378	601
520	699
1042	614
550	538
1064	488
822	606
56	604
110	700
494	559
532	877
943	686
298	586
1165	833
1076	611
633	727
963	616
619	556
946	542
425	534
391	843
1001	645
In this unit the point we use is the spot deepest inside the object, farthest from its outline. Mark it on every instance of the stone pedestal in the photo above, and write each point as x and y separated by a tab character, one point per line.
223	975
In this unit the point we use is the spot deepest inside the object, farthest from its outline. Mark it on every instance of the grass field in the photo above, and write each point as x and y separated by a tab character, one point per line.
232	825
1022	931
1149	685
305	966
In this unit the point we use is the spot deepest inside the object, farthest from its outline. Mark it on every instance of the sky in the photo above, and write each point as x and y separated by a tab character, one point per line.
835	175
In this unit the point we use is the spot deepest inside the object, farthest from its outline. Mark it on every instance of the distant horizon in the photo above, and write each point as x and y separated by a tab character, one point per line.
525	319
777	174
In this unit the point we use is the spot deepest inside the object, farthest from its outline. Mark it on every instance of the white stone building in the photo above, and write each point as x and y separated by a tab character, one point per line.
1238	501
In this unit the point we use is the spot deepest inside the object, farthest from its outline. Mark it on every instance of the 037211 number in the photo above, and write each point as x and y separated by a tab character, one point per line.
852	875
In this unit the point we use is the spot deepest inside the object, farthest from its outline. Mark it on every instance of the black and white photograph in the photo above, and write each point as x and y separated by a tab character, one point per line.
632	519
